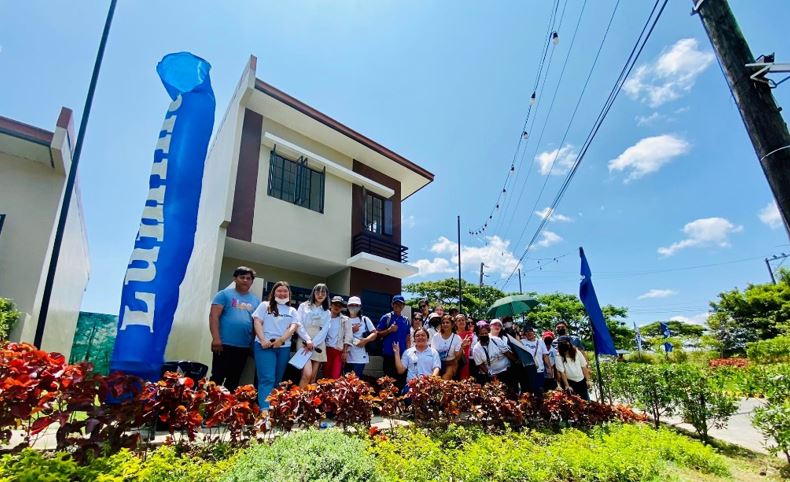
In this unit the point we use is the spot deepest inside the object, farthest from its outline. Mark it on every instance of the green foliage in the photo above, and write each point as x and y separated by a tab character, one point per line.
773	421
651	388
445	292
556	307
609	453
306	455
760	312
774	350
703	403
676	328
161	465
8	317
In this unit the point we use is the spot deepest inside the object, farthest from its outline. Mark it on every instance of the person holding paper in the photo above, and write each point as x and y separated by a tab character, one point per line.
275	322
314	323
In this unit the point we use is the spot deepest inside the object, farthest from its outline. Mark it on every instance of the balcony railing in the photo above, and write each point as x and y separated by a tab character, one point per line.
365	242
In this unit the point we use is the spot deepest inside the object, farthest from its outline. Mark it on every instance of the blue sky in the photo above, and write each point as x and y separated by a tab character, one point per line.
670	183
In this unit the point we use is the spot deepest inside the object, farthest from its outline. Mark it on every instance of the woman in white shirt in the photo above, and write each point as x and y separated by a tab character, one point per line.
274	322
419	360
448	344
314	319
492	356
338	339
363	332
572	369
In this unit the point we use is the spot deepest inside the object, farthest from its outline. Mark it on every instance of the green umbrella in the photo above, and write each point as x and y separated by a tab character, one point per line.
512	306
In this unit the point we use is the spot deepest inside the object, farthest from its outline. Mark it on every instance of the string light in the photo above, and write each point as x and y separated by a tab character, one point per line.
533	99
555	38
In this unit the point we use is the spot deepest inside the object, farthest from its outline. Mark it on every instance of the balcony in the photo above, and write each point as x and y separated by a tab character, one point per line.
365	242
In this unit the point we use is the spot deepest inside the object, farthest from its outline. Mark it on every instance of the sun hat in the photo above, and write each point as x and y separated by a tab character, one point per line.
354	300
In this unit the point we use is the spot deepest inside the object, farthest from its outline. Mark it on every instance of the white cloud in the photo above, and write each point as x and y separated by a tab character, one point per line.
496	256
699	319
770	215
409	221
548	238
671	76
437	265
558	161
649	155
656	293
703	232
555	217
646	120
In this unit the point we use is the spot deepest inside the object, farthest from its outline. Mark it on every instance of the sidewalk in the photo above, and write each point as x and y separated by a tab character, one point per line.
739	430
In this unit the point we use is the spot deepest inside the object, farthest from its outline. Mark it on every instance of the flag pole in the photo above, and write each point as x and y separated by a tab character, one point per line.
460	291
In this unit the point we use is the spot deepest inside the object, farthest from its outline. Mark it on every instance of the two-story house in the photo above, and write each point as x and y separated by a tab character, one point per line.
297	196
34	164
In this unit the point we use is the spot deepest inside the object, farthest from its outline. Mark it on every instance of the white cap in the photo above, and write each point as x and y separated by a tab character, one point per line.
354	300
495	320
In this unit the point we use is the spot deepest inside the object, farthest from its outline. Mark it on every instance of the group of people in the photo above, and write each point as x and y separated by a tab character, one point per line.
336	335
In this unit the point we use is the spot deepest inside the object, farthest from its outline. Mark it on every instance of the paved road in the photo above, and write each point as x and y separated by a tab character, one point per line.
739	429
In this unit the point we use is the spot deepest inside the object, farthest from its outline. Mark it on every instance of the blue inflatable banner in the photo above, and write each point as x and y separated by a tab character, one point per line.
602	340
167	230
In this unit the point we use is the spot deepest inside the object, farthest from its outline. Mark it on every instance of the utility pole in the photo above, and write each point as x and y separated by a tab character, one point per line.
774	258
520	291
761	116
70	179
460	290
480	293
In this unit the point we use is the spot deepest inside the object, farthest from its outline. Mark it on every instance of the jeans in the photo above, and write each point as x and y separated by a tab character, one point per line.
226	367
270	366
580	388
357	368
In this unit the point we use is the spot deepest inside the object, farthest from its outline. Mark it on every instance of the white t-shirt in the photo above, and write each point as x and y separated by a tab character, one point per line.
276	326
537	349
358	354
493	355
446	347
419	363
572	368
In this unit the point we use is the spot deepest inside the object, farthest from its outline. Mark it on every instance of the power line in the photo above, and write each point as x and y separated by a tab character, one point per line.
550	33
627	68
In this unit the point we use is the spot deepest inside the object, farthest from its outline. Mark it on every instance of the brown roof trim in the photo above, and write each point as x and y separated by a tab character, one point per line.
341	128
25	131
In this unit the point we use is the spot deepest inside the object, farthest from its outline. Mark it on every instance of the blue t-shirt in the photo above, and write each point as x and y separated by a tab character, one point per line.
235	323
401	336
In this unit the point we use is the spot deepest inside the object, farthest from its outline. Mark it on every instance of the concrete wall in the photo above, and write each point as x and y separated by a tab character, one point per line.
301	230
30	195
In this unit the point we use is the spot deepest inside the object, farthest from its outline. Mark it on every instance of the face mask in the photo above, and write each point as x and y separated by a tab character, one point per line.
561	331
353	311
282	301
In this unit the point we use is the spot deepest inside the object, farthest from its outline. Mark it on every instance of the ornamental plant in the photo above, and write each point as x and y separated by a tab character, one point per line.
702	402
8	317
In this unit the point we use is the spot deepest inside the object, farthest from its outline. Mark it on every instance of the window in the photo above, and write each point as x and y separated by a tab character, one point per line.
378	214
295	182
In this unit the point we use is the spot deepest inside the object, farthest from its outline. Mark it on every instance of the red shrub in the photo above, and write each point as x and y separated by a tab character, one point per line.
728	362
387	402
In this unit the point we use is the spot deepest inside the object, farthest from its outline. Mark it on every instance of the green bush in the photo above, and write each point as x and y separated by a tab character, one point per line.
313	455
610	453
703	403
775	350
773	421
8	317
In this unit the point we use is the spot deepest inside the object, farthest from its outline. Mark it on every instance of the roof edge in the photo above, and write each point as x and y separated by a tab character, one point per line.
25	131
341	128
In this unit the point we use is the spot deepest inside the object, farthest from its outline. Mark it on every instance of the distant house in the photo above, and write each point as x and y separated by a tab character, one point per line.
34	164
297	196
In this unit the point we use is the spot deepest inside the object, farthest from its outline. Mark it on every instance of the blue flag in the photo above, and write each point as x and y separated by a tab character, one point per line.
638	337
167	230
664	328
603	340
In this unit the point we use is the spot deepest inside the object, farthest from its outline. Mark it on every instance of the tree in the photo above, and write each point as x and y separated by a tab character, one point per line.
676	328
556	307
8	317
445	292
760	312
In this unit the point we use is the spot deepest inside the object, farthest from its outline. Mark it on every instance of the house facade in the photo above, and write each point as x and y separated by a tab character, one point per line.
299	197
34	164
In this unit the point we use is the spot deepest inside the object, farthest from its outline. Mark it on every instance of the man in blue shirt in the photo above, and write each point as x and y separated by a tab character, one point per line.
230	322
394	328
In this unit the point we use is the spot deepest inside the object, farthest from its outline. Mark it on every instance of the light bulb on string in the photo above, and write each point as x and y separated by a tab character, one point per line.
525	134
555	38
533	99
